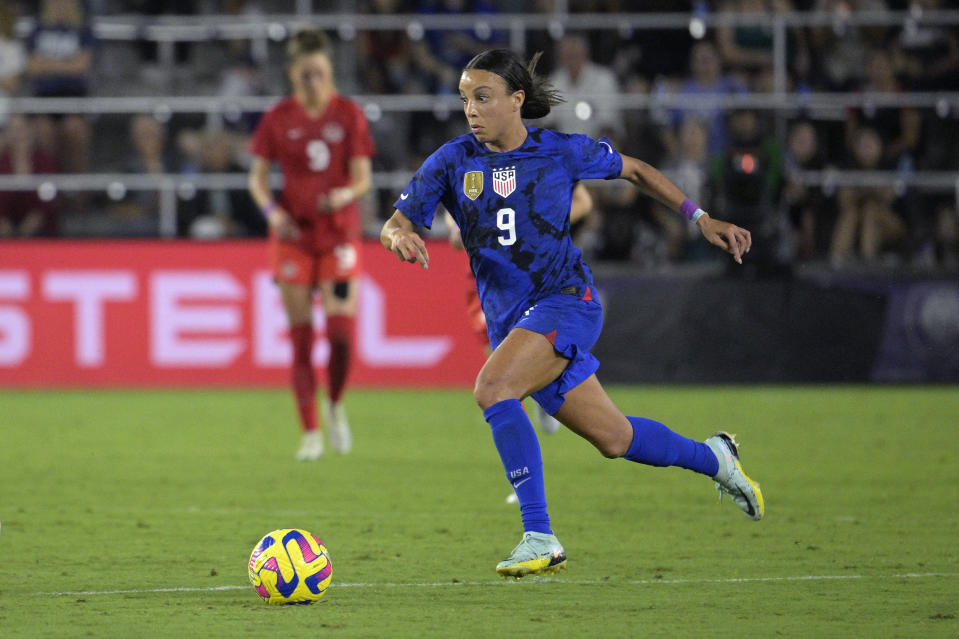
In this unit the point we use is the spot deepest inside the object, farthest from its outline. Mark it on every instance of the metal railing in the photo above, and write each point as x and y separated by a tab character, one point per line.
262	30
173	187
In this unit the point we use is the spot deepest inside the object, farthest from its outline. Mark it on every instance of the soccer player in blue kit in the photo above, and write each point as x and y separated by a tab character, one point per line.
508	187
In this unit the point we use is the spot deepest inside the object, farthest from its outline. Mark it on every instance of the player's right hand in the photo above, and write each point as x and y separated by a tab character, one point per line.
283	225
409	247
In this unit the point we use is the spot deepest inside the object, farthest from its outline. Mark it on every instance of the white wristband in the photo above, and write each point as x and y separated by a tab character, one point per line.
698	213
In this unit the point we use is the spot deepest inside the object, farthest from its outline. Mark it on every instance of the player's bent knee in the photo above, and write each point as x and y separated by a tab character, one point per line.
611	445
612	450
487	393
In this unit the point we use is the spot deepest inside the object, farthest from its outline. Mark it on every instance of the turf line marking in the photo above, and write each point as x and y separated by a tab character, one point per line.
578	582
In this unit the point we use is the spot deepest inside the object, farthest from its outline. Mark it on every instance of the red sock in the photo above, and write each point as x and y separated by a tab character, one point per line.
339	330
303	380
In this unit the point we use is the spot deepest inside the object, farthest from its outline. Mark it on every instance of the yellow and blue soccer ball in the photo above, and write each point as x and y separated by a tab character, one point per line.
290	566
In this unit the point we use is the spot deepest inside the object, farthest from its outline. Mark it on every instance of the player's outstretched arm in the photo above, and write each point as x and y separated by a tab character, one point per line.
399	238
733	239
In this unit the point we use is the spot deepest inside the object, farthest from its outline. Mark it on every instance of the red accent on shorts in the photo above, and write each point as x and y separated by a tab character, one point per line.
589	295
551	336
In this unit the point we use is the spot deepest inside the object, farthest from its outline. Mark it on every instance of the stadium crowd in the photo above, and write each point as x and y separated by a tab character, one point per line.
742	163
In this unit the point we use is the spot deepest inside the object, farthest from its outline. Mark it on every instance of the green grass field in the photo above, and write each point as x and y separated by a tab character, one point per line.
133	514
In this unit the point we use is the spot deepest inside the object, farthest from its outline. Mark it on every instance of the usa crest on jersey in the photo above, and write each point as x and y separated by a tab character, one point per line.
504	181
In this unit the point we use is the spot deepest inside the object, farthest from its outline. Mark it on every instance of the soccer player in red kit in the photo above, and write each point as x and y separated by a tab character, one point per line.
323	146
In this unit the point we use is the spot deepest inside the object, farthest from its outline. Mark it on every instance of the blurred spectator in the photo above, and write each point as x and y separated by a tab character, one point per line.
618	222
436	60
688	167
643	128
241	79
706	78
746	180
213	213
387	56
927	54
13	60
747	49
839	50
865	213
240	48
945	243
899	127
444	52
648	52
632	227
149	49
388	67
587	88
137	214
60	61
806	206
25	213
935	233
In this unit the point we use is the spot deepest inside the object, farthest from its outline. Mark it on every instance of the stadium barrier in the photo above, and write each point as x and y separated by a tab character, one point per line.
816	327
180	314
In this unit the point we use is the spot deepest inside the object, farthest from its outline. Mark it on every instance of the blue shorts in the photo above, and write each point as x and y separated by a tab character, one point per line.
573	325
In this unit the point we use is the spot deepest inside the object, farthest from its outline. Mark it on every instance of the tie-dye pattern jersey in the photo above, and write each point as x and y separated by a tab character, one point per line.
513	212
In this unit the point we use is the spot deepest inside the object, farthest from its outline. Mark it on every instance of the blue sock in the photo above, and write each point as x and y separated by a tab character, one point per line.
656	445
518	447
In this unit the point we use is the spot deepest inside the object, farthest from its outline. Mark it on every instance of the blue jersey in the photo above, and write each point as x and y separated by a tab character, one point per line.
513	212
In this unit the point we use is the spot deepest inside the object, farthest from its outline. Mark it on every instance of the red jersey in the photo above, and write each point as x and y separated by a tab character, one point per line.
314	155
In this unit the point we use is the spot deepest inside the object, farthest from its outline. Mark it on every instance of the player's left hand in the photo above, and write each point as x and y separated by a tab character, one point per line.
336	199
409	247
731	238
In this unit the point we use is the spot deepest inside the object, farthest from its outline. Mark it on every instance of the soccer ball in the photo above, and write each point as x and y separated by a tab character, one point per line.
290	566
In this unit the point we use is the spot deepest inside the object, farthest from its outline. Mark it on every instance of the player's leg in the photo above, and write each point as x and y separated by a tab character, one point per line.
589	412
547	423
293	270
298	303
339	285
524	361
477	321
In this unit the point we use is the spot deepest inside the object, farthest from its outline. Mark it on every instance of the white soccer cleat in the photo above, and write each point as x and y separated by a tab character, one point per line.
547	423
732	479
536	554
311	446
338	431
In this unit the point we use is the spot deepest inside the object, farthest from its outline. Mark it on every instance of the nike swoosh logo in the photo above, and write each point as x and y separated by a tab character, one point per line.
403	196
608	147
521	482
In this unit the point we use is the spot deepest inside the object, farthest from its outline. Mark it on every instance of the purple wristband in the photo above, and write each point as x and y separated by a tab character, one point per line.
269	208
688	208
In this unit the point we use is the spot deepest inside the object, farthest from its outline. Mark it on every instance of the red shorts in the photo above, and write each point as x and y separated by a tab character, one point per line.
293	264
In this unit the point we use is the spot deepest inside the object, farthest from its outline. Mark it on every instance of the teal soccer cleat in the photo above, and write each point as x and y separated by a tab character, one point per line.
536	554
732	480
